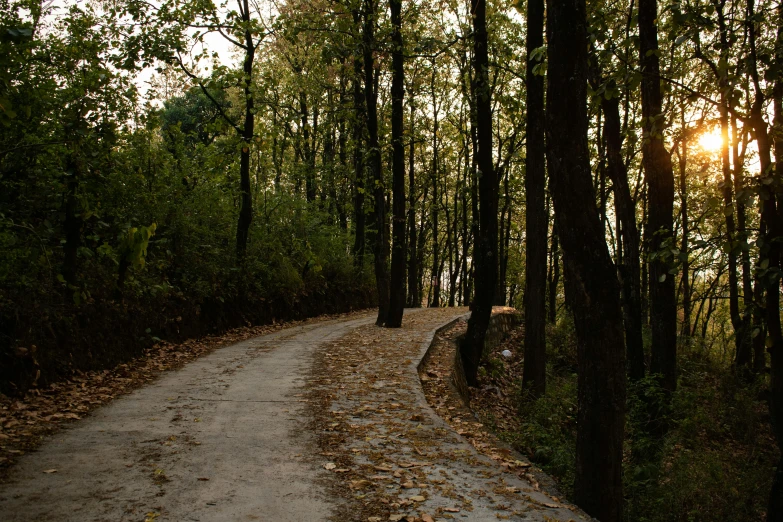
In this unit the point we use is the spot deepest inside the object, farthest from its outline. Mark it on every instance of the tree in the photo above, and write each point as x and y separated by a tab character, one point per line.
659	177
485	251
536	224
592	286
381	234
164	37
397	283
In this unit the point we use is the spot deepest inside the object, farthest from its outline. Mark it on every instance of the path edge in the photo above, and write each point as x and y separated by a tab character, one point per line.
545	482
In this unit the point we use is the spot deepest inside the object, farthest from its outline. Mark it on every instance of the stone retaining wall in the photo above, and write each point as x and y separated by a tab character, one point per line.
503	320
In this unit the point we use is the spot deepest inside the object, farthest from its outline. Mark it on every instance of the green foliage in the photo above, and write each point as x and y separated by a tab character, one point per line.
146	200
714	463
548	433
133	244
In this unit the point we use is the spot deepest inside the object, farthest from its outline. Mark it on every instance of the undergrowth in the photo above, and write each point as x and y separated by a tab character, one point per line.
715	461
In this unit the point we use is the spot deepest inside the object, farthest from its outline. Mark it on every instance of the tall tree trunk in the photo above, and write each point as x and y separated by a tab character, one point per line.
453	246
246	198
359	126
770	252
436	196
309	153
399	251
464	279
554	280
592	281
380	244
684	245
485	251
660	224
738	160
626	211
537	220
414	298
504	225
422	239
743	350
342	154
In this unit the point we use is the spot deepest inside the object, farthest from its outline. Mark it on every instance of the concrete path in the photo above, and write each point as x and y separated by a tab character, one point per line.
248	433
396	459
220	439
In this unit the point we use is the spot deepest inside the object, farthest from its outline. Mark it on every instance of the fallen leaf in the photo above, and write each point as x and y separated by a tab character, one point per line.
418	498
330	465
426	518
451	510
50	471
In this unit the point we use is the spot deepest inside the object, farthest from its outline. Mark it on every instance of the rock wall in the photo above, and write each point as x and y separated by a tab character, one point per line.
503	320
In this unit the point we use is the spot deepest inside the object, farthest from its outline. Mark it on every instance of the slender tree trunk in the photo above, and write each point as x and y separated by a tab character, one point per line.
759	324
380	244
686	265
742	347
738	160
554	281
246	198
770	251
434	209
626	211
485	251
592	281
453	248
342	154
660	182
399	251
359	126
504	225
422	239
414	298
464	279
309	153
775	508
645	247
536	223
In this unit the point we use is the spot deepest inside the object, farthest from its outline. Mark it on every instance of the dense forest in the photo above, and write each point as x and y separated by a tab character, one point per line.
612	169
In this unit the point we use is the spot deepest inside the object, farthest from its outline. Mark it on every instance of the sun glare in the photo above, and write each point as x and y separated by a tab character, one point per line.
711	141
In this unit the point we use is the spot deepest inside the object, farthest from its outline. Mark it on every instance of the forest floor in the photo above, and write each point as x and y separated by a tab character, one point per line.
323	420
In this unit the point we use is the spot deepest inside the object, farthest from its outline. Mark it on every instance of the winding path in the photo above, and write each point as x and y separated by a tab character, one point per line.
225	438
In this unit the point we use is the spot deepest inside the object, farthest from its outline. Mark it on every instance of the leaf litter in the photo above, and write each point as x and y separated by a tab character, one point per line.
401	462
25	422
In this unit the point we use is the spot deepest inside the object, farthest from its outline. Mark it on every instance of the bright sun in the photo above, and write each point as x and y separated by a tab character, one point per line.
711	141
